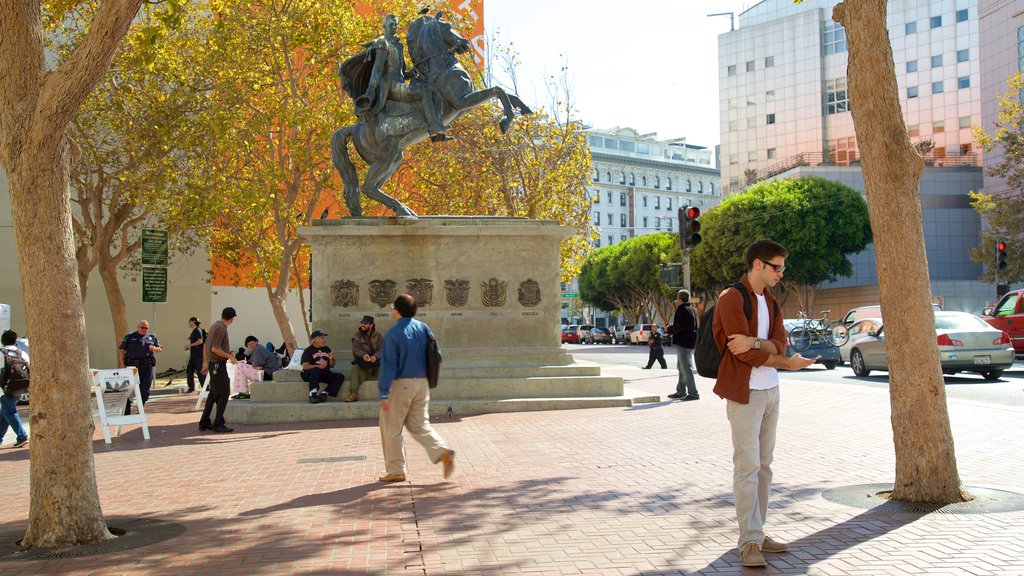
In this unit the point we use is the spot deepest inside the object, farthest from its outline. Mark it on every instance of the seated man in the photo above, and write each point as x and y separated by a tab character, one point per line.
317	361
253	359
366	346
264	359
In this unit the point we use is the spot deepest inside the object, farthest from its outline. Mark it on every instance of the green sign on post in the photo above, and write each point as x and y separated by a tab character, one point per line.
154	248
570	295
154	284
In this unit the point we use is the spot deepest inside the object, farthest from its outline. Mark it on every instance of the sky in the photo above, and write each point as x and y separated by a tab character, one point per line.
646	64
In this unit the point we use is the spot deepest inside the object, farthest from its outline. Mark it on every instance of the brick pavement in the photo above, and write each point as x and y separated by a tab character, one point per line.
645	490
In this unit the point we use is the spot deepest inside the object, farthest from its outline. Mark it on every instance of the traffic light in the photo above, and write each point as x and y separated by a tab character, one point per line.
1001	255
689	227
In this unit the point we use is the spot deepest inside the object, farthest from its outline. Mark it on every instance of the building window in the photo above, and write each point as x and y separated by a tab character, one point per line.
936	22
611	239
632	179
913	130
750	66
622	220
712	186
835	38
597	197
1020	48
597	175
733	159
938	126
622	238
622	198
734	180
609	218
771	153
730	103
910	28
608	175
836	97
645	200
911	91
689	186
769	61
657	182
668	204
643	180
770	119
609	197
731	70
668	184
597	242
645	221
657	202
965	149
965	121
769	95
963	55
937	61
657	223
750	101
961	15
597	218
733	126
937	87
622	177
963	82
700	187
751	122
911	66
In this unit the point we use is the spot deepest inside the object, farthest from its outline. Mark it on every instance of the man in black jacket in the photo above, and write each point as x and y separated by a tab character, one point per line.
684	332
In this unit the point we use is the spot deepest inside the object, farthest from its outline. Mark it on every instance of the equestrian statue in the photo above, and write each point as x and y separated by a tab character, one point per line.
394	113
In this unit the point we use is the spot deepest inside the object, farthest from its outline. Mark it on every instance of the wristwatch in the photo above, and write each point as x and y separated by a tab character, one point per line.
757	343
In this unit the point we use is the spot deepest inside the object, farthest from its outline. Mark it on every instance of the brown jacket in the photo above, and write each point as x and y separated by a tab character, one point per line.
367	344
734	372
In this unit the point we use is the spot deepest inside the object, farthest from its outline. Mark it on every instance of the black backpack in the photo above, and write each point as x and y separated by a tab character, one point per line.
433	362
706	355
15	373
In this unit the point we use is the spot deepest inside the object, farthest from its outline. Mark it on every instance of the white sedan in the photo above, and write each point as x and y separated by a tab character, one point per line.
966	344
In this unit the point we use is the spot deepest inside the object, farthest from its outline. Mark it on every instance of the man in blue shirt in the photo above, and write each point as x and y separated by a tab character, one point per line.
405	395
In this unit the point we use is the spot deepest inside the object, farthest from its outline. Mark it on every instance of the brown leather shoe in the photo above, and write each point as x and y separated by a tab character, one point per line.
751	557
351	398
773	546
448	460
392	478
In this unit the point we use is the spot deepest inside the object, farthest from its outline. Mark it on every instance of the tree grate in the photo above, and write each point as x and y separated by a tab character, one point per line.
130	533
873	497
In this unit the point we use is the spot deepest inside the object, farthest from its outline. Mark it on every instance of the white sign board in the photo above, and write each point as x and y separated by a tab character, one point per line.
112	389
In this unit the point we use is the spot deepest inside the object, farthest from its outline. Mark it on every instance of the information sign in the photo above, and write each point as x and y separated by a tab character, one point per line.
154	248
154	284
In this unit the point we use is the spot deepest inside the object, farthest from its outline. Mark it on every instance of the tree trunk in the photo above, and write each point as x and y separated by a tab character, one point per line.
926	468
65	506
115	298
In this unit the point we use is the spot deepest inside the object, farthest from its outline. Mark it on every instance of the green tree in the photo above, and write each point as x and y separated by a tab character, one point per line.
625	277
37	104
820	222
1003	211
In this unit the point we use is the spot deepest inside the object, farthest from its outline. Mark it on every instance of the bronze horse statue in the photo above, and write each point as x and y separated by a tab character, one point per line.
383	133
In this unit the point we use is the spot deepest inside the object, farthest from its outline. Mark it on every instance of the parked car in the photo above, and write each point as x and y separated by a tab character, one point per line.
1008	316
621	334
828	355
858	330
570	336
583	331
966	344
598	336
862	312
640	334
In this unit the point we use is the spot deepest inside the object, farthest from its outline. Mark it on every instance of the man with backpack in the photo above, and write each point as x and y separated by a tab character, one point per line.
748	332
684	334
15	383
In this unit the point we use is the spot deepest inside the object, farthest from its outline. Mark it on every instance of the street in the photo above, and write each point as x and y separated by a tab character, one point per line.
1007	391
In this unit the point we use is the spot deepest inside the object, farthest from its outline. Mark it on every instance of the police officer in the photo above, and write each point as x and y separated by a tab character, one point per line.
137	350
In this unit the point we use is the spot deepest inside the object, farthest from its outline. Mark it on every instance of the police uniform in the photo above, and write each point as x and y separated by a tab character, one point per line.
137	354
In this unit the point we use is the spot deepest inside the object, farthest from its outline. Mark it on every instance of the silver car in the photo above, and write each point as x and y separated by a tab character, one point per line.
966	344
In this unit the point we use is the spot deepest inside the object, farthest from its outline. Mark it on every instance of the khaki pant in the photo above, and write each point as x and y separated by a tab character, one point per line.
409	399
753	448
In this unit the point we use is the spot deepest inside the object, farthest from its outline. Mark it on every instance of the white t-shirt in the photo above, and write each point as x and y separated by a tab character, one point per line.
763	377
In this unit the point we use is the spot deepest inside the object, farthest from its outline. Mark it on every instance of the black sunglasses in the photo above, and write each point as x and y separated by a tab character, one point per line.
780	268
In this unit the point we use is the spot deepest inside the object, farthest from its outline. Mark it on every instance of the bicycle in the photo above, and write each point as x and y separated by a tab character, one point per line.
810	330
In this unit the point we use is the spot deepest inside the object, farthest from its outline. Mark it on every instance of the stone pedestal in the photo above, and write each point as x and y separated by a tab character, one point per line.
487	287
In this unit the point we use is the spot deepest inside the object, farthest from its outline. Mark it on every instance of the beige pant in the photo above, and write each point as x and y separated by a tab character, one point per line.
753	447
409	399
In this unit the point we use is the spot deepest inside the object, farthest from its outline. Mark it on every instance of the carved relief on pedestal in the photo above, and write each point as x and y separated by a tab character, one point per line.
345	293
456	292
383	292
529	293
492	293
421	289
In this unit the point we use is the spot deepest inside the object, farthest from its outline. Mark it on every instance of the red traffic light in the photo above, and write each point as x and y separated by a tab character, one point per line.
693	213
1001	246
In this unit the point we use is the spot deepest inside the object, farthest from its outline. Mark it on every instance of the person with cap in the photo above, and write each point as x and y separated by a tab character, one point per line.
216	356
137	350
366	346
317	361
195	355
246	371
405	393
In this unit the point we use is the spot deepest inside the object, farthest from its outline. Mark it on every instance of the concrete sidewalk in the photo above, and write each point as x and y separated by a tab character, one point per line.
645	490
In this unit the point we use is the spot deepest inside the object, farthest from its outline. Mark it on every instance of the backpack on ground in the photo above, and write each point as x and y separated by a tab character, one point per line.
15	373
433	362
706	355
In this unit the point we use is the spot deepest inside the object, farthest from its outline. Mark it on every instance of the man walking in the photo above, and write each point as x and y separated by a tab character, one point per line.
137	350
753	351
657	347
15	382
216	355
684	334
405	395
195	355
